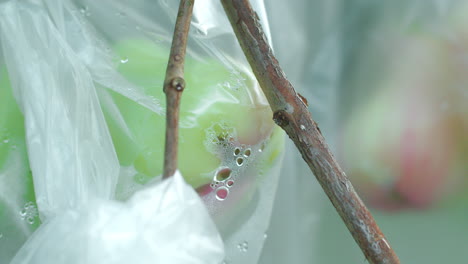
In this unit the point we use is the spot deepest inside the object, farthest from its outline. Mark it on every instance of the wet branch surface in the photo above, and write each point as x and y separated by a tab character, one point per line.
291	114
174	84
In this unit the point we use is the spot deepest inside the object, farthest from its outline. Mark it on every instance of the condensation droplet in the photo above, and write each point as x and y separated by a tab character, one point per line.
230	183
237	151
124	60
30	220
239	161
222	193
23	212
247	152
243	247
223	174
29	212
262	147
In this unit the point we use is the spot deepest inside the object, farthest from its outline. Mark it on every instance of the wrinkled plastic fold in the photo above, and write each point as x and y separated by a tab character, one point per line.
84	116
164	223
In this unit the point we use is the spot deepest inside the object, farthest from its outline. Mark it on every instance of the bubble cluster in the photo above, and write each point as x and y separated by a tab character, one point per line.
221	139
29	213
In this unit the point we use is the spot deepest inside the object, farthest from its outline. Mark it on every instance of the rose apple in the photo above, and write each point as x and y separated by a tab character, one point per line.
222	111
404	148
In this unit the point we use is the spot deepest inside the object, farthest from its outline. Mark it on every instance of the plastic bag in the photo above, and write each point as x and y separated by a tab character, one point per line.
91	94
151	227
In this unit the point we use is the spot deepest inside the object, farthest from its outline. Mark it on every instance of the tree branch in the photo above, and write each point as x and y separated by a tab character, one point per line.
174	84
291	114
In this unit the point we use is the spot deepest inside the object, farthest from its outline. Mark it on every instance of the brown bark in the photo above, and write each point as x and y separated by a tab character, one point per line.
174	84
291	114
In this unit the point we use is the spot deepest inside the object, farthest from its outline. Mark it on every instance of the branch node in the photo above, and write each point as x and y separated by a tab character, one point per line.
280	118
178	84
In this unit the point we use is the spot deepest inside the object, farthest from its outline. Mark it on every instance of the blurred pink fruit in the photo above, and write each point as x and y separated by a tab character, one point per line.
406	146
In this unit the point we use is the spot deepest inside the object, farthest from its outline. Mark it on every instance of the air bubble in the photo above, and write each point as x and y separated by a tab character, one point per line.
1	236
243	247
85	11
237	151
6	140
230	183
124	60
247	152
223	174
30	220
23	212
29	212
239	161
262	147
222	193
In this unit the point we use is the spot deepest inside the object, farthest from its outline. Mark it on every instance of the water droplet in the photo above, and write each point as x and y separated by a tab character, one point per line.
243	247
239	161
124	60
1	236
29	212
83	10
223	174
247	152
303	127
230	183
265	236
262	147
30	220
222	193
237	151
23	212
6	140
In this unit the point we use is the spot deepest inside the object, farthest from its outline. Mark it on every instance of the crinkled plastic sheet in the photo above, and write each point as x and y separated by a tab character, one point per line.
93	113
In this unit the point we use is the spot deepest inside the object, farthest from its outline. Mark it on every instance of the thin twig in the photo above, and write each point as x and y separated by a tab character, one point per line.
174	84
291	114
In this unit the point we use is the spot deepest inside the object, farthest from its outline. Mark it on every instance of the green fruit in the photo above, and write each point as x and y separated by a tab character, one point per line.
218	105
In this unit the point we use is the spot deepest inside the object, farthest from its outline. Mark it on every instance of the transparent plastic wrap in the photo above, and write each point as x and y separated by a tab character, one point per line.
91	95
151	227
